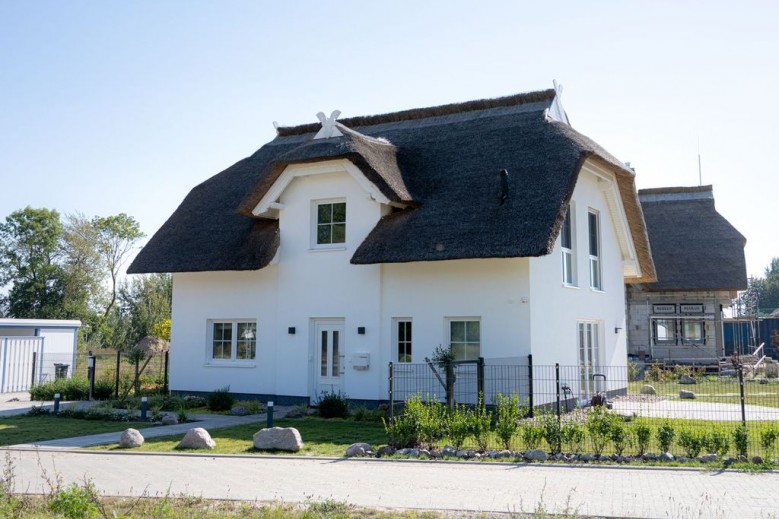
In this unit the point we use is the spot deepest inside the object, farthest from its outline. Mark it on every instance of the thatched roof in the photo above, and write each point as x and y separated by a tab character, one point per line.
442	163
693	246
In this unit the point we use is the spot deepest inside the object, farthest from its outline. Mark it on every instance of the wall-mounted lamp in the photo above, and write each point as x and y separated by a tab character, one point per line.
617	329
291	330
361	330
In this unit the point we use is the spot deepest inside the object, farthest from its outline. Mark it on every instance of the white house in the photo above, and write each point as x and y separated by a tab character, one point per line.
36	350
339	247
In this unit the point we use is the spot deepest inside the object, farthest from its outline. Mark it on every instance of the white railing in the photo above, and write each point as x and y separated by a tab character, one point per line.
756	353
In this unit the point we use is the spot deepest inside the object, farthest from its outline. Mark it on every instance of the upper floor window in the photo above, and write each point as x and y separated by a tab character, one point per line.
566	242
233	340
330	223
465	338
594	235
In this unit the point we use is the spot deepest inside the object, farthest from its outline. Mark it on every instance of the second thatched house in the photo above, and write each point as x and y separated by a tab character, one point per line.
699	257
489	227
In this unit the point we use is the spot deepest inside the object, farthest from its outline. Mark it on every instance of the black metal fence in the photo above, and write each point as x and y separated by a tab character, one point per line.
699	408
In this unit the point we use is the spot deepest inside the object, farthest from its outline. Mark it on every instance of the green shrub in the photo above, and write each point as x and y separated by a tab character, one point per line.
333	405
716	442
665	437
573	437
768	439
643	435
420	424
220	399
599	424
194	401
507	417
741	440
251	406
74	502
620	437
691	441
532	434
632	372
656	373
480	421
552	432
458	426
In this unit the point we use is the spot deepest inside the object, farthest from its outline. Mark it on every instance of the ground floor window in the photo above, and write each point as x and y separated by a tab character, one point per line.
403	339
465	338
233	339
678	331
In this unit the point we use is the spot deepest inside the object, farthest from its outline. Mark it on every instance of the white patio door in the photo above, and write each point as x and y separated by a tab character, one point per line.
328	356
589	358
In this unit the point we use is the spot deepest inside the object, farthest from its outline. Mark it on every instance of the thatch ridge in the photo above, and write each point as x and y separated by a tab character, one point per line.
425	113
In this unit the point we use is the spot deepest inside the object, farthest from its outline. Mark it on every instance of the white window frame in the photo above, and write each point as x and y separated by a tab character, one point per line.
596	272
568	254
396	340
450	320
235	323
315	225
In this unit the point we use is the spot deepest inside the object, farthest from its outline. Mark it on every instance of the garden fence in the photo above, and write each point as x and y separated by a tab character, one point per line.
689	400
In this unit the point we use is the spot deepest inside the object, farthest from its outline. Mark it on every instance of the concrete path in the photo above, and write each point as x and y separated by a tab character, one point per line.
694	410
12	404
448	486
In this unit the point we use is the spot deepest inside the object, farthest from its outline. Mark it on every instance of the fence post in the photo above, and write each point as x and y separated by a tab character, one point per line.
450	386
118	367
741	392
557	383
391	393
480	378
34	365
530	384
165	383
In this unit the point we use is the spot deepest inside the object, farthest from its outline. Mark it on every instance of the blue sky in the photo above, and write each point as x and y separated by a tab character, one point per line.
109	107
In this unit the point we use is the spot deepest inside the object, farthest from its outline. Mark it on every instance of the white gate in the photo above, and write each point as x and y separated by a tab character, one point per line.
16	363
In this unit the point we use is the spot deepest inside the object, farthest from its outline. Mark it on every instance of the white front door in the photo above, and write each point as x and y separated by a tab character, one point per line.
328	356
589	359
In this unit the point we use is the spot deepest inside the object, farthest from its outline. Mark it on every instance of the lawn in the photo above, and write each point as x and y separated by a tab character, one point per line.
320	437
712	389
26	429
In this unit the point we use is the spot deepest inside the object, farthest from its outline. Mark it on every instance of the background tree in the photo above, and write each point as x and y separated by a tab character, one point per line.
29	262
144	302
115	237
768	287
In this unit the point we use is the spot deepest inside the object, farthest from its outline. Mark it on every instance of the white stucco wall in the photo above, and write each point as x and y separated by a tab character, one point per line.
557	308
521	303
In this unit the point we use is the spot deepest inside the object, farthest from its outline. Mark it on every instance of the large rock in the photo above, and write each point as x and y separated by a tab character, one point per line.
358	449
686	395
170	419
278	438
647	389
130	439
687	379
197	438
536	455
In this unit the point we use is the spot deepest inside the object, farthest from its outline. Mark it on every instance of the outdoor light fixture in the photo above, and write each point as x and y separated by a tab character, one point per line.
361	330
291	330
617	329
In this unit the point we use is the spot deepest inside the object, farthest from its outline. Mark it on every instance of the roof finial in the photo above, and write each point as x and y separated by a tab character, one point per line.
558	88
328	125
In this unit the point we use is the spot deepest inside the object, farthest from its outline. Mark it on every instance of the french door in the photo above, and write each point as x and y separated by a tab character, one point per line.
589	358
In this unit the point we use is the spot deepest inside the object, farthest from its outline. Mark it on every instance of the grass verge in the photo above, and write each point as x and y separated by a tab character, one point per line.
27	429
321	437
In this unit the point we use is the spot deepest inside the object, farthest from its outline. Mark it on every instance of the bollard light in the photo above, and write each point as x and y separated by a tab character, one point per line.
144	407
56	403
270	414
